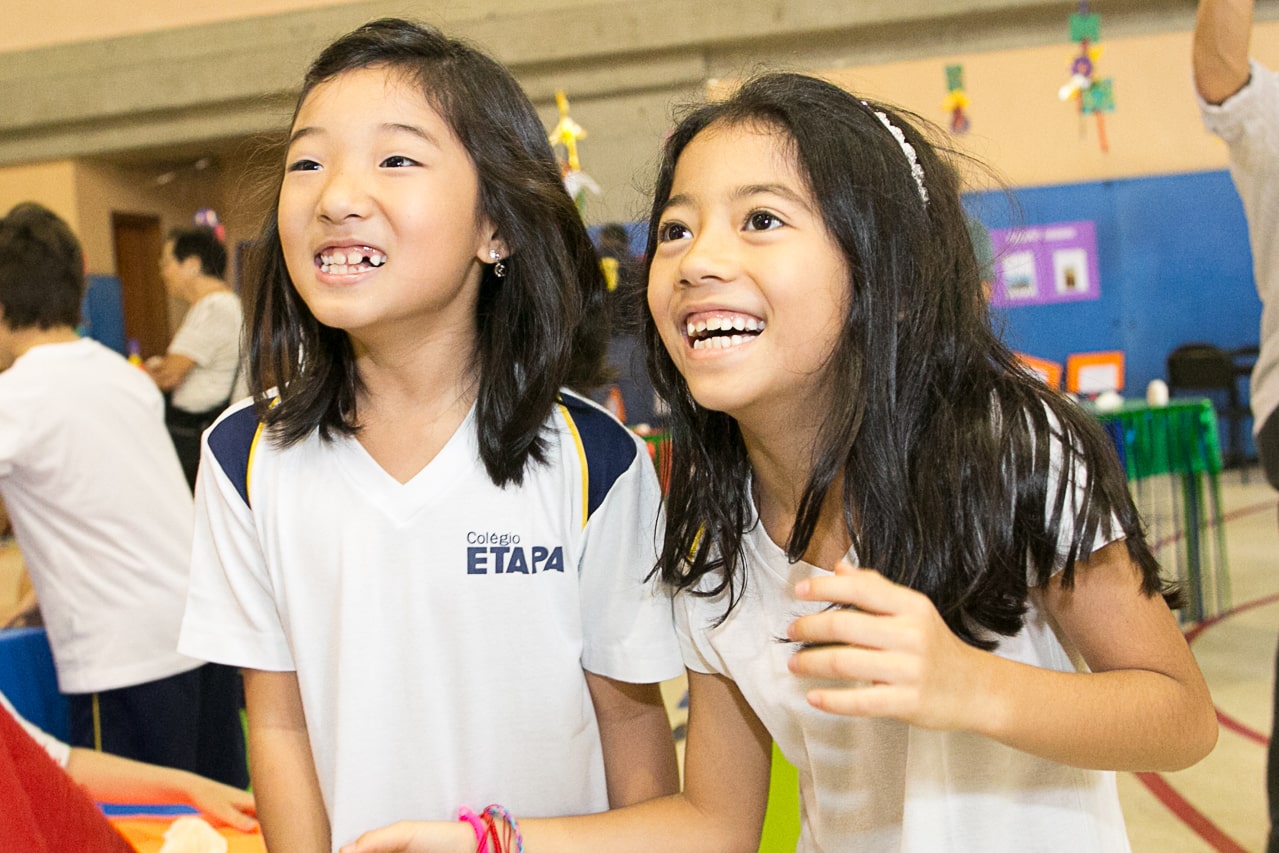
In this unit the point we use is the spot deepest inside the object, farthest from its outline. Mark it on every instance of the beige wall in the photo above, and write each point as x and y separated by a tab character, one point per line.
51	184
46	23
1019	127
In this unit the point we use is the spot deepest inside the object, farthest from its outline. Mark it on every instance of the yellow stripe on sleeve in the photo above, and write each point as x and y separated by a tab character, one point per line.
581	455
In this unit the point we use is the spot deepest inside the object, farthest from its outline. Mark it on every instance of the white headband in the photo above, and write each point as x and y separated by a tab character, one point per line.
916	170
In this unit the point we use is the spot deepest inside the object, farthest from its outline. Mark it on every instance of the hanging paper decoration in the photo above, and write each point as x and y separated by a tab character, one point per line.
956	99
1092	96
208	217
566	134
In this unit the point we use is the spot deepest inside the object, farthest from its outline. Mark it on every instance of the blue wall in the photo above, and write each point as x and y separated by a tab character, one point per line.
1175	268
101	312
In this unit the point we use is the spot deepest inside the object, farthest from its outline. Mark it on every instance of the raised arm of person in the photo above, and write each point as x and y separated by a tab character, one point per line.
639	751
114	779
1220	54
290	805
721	810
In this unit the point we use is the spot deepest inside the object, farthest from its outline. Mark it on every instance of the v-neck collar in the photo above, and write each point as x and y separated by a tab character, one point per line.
457	460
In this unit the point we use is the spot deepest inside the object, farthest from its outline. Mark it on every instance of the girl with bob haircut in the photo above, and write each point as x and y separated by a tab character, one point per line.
895	553
429	556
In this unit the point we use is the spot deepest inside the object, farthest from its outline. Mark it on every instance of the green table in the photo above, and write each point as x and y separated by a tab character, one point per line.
1173	459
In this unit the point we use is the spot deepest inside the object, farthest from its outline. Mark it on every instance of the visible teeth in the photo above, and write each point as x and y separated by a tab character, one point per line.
338	262
739	323
722	341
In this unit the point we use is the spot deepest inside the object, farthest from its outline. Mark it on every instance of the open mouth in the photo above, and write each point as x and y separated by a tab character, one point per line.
345	260
722	330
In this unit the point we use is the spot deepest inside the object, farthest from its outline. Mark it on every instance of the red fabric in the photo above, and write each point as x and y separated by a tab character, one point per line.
44	811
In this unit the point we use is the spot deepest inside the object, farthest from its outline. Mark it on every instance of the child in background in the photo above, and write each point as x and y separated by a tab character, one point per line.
429	557
110	778
848	431
102	518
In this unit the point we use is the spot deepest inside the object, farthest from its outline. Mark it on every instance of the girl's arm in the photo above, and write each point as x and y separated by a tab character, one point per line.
1220	53
114	779
639	751
290	805
721	810
1144	705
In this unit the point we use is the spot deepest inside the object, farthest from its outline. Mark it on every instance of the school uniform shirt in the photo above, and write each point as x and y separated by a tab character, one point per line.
439	628
101	512
880	784
210	337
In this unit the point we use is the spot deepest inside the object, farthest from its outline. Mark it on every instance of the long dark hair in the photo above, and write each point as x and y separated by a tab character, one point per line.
946	445
535	329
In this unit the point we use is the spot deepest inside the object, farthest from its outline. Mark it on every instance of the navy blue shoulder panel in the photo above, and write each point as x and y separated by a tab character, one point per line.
607	445
231	443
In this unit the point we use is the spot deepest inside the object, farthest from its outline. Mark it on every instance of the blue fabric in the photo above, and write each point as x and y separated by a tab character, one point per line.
29	681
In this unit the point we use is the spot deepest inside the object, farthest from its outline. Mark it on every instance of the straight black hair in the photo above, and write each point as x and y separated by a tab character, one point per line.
946	445
203	242
536	326
41	269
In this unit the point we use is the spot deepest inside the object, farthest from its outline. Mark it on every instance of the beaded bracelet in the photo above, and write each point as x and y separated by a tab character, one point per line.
480	827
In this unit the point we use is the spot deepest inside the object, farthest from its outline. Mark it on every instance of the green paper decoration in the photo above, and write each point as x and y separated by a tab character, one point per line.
1098	98
1085	27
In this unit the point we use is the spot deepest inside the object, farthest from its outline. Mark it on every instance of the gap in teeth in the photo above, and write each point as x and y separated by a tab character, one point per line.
352	259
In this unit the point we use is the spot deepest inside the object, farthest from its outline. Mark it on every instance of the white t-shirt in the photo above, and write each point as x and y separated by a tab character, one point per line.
883	785
101	512
210	336
439	628
1248	122
58	751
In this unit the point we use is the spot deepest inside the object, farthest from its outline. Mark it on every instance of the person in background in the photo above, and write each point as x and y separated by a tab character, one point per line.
1239	102
111	778
623	273
103	519
201	372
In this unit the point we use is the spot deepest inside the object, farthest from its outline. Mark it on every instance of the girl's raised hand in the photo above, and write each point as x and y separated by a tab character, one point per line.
416	836
902	659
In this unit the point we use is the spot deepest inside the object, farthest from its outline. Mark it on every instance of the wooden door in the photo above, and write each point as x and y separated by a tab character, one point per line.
138	243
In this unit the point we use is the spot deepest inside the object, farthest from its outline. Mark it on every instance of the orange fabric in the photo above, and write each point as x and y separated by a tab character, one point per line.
147	835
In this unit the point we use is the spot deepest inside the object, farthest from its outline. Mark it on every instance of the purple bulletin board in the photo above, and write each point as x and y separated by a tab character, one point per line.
1045	264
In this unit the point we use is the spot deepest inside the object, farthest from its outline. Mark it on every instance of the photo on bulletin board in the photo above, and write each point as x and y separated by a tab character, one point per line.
1019	281
1070	271
1043	264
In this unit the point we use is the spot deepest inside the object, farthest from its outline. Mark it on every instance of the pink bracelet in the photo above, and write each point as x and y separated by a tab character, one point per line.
477	823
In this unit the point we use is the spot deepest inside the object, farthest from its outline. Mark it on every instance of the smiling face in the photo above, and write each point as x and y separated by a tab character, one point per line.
379	211
747	288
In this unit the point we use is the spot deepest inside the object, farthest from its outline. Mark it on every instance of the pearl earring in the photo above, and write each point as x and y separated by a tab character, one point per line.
499	268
